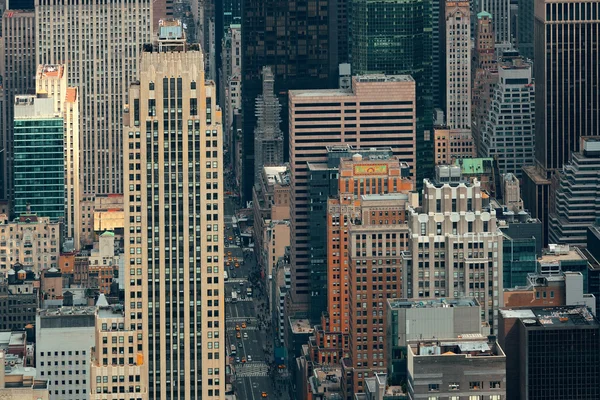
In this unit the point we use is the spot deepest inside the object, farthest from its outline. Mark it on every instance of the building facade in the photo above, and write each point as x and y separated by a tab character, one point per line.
39	167
52	80
455	247
509	131
103	60
452	144
301	50
180	298
539	343
501	13
308	144
18	301
18	72
64	339
574	207
458	65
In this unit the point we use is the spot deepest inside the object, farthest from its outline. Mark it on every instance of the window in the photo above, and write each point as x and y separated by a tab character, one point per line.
475	385
434	387
454	386
495	385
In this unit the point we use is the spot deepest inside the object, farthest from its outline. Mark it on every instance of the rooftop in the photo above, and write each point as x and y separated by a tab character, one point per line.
71	95
301	325
381	197
57	312
51	70
277	174
383	78
552	317
557	253
433	303
456	347
475	165
327	380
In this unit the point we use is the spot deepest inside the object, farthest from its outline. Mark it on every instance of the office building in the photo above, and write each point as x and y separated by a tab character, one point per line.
64	339
103	57
18	73
500	12
482	170
172	74
455	248
29	251
230	87
18	300
309	141
574	208
404	41
39	167
18	382
268	137
509	131
562	289
104	263
484	73
524	32
562	116
271	209
458	65
461	367
52	80
409	320
452	144
301	51
551	352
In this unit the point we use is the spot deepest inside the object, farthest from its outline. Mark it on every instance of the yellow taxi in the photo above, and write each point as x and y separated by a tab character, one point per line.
243	359
238	335
243	325
228	253
237	327
264	394
237	264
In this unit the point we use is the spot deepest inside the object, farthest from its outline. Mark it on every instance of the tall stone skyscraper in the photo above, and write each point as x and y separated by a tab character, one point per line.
567	104
268	138
18	72
500	10
174	235
101	46
458	65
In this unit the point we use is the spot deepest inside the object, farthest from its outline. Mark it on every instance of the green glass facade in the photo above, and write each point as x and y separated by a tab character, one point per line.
395	37
39	170
519	258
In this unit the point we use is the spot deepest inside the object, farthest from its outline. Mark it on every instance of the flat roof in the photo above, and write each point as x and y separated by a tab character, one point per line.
389	196
300	325
572	254
62	311
433	303
321	93
553	317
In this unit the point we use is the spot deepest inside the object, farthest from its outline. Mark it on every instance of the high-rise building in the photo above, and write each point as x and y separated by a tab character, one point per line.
524	33
484	74
403	41
575	199
52	80
509	131
18	73
500	12
566	103
452	144
19	299
458	65
300	49
64	339
39	167
230	86
377	236
376	97
103	57
551	352
455	248
172	120
268	138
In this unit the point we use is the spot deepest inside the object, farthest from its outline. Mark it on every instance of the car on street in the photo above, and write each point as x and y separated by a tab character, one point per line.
243	359
237	360
237	327
237	264
240	345
264	394
243	325
231	268
245	335
239	291
249	358
238	335
233	274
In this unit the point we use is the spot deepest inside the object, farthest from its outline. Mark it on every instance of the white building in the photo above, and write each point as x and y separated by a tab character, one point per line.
64	338
458	65
509	131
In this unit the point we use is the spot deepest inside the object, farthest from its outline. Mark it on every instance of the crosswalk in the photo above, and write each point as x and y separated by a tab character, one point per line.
228	299
237	280
248	328
251	370
240	319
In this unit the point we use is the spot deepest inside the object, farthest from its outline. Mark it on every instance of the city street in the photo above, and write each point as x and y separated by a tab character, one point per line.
251	379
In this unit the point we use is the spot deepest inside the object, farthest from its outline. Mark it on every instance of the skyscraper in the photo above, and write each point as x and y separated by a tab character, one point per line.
378	110
458	65
299	48
268	138
500	10
18	72
52	80
101	45
401	38
174	186
567	104
39	168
